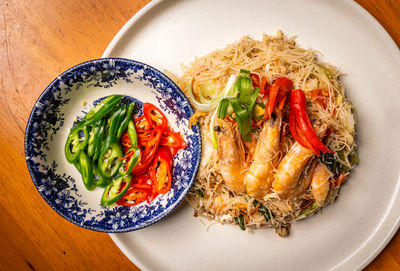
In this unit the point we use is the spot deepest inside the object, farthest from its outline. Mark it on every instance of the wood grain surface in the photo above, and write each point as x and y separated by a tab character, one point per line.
39	39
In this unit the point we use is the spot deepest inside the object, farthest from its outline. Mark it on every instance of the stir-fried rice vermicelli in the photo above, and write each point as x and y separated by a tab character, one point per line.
330	112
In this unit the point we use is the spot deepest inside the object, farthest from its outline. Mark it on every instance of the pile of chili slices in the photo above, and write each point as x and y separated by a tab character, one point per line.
130	158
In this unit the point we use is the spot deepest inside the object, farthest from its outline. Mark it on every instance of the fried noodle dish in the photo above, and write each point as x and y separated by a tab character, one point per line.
278	133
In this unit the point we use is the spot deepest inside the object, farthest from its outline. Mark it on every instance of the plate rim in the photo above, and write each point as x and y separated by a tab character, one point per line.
29	127
394	228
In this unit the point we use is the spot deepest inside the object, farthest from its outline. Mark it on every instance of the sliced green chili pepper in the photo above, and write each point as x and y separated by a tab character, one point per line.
93	138
121	118
108	163
98	139
115	122
133	161
126	120
75	143
99	180
116	190
132	133
101	109
240	221
86	170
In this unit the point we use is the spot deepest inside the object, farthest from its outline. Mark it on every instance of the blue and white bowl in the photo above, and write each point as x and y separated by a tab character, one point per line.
71	95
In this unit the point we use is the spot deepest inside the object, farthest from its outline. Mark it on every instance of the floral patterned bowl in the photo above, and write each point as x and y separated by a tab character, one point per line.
71	95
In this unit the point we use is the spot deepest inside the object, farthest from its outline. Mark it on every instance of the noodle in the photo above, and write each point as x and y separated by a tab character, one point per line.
272	57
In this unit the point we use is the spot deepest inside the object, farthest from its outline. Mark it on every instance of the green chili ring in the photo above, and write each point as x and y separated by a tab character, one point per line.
108	163
132	162
86	170
132	133
126	120
113	191
74	144
101	109
99	180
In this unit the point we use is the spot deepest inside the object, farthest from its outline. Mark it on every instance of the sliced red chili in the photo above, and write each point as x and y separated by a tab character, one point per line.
134	196
152	196
320	96
171	139
279	89
140	179
263	85
154	116
149	151
301	126
297	134
141	124
256	79
152	144
161	171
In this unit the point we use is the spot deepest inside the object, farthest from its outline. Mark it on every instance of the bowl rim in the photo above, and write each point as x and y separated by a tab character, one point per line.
107	60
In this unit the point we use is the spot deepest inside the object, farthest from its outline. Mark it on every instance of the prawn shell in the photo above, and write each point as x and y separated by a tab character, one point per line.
320	184
259	177
231	162
289	170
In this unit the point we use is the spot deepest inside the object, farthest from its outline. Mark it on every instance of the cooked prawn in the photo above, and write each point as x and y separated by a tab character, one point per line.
231	163
305	180
259	177
320	183
289	170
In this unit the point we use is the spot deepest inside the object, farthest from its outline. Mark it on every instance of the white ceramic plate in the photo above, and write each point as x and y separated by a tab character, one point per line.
349	233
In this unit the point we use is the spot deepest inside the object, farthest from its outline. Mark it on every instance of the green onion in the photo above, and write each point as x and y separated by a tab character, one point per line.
243	118
253	98
207	89
212	131
341	155
310	209
354	159
222	108
227	91
213	103
263	210
240	221
327	71
244	85
242	115
242	105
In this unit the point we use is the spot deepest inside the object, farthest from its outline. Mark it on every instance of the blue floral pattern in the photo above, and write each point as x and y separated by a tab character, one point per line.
60	190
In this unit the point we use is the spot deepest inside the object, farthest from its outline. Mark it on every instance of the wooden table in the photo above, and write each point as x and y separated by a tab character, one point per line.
40	39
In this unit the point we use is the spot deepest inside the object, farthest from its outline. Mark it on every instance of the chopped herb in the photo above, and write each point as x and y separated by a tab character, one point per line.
310	209
327	72
263	210
354	159
240	221
247	197
341	155
200	193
